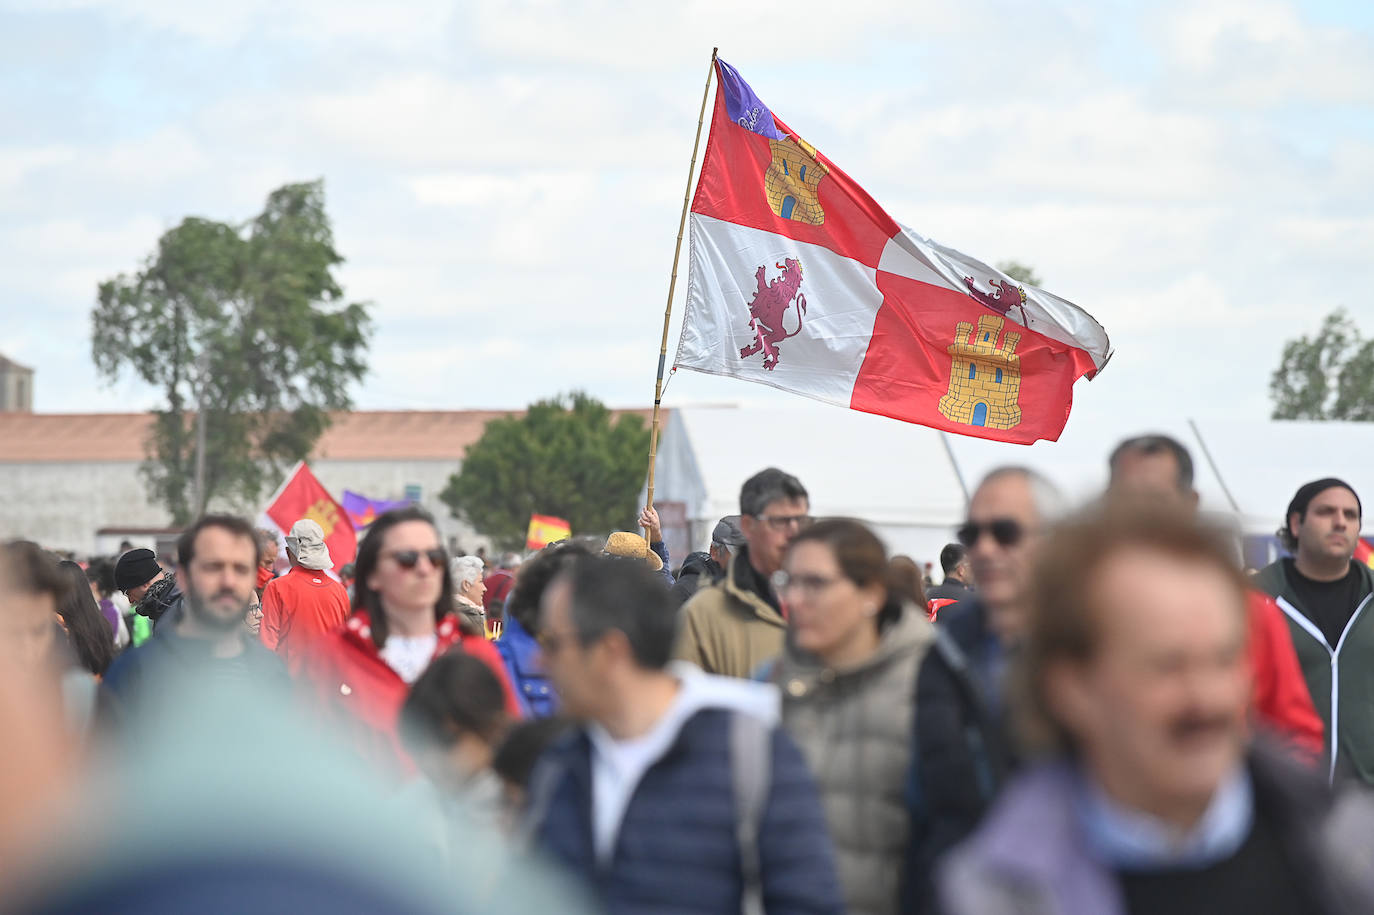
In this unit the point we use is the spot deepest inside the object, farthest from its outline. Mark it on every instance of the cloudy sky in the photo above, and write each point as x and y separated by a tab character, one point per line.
505	177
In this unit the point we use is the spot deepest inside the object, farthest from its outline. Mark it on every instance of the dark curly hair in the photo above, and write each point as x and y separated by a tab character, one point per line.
534	576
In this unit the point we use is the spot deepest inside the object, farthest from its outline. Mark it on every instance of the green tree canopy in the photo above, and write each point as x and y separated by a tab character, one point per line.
565	457
1326	376
1020	272
248	322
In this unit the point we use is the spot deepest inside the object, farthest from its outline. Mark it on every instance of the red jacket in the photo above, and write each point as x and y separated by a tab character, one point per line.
298	610
361	696
1281	699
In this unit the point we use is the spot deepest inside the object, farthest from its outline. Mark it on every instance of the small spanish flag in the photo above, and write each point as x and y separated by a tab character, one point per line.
546	529
1364	552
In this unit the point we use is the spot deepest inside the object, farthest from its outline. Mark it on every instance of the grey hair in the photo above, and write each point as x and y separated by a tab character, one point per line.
1050	504
465	570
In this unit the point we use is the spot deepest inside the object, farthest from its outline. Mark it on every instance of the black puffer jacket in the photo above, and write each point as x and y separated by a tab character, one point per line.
698	570
961	755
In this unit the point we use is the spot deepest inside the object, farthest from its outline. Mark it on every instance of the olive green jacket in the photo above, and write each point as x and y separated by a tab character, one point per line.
727	629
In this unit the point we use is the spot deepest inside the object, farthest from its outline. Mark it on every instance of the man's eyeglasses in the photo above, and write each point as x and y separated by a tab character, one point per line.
1006	531
783	522
409	559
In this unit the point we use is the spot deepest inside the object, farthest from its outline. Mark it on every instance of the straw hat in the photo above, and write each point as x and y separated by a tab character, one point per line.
632	546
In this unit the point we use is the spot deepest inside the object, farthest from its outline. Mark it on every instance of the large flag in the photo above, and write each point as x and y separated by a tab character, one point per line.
801	281
362	511
303	496
546	529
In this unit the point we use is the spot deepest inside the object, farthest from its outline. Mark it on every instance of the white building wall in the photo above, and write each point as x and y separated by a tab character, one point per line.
61	505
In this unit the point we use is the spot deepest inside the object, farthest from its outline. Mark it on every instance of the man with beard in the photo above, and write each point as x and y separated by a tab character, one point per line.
1150	796
217	560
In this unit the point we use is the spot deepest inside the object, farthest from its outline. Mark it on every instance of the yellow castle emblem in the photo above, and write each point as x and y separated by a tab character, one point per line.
985	376
792	179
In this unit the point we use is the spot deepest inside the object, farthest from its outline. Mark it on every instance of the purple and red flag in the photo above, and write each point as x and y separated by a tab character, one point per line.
801	281
362	511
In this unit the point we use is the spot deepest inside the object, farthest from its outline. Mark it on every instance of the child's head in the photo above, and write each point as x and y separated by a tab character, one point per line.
453	718
519	751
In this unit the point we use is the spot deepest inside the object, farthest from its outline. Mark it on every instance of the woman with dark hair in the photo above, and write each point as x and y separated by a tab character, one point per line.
402	620
519	642
848	678
86	627
100	574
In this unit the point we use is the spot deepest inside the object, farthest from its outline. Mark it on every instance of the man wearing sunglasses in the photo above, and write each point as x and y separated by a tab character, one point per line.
962	755
735	625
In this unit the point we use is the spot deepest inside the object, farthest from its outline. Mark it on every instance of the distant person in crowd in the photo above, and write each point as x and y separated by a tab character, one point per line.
87	629
514	761
702	569
958	571
519	642
1326	598
468	590
268	550
963	749
905	578
152	591
100	577
305	604
625	545
848	679
736	625
253	619
1157	471
1151	798
347	576
499	584
217	561
678	792
402	620
450	724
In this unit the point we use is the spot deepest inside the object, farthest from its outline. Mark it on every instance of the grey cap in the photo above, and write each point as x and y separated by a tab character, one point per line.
727	532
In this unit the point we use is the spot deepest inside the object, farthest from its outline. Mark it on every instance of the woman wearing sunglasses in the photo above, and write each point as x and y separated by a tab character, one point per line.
402	620
848	678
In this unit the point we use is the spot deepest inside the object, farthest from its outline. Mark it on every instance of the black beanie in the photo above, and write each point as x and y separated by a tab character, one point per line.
136	567
1310	491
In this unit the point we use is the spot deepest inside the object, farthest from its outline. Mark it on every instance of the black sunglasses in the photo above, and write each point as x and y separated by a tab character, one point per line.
1004	530
409	559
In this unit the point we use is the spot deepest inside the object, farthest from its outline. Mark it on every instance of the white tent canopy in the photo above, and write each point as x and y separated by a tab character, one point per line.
909	482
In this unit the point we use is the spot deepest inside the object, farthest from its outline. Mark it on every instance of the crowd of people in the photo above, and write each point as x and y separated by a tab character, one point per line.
1096	711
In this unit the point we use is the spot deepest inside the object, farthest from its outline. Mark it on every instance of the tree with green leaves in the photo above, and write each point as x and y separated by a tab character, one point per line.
1326	376
1020	272
246	331
565	457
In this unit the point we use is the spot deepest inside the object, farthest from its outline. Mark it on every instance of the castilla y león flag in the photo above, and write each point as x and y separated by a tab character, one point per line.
800	280
303	496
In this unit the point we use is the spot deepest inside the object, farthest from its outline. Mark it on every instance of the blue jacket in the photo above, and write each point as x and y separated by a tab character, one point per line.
520	653
677	851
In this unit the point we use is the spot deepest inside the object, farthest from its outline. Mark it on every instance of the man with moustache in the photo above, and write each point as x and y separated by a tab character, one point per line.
1326	596
217	563
1151	798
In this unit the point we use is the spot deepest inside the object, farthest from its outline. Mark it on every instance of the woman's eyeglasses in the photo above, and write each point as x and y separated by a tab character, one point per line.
409	559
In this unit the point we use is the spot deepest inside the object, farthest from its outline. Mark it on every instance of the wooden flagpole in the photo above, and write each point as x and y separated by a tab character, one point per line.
672	284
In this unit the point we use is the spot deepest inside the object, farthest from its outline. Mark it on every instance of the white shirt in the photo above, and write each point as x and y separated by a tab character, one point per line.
618	766
409	655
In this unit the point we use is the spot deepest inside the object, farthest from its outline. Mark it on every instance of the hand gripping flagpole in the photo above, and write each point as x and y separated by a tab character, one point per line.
672	284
